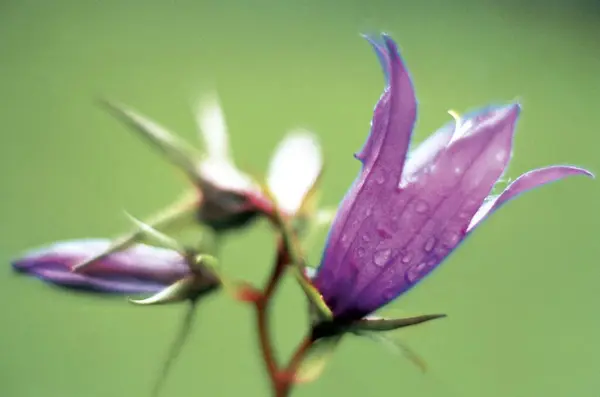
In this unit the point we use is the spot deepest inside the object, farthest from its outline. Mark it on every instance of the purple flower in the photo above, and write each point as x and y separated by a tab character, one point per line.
138	269
407	212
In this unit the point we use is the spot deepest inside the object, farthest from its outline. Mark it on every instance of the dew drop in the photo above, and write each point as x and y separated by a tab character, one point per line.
390	293
360	252
463	215
344	238
451	238
429	244
380	178
457	170
407	257
412	275
366	238
384	233
382	256
501	155
421	207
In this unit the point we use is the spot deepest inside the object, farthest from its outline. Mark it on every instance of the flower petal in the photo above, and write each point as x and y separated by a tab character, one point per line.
403	235
294	168
381	52
217	166
213	128
395	113
383	160
426	152
524	183
138	269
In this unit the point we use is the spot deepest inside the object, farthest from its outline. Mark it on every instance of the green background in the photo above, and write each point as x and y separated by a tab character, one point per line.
521	293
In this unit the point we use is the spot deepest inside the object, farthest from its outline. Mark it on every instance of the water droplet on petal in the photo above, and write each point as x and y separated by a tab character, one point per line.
457	170
413	274
390	292
382	256
384	233
429	244
501	155
380	178
366	238
463	215
451	238
421	207
407	258
360	252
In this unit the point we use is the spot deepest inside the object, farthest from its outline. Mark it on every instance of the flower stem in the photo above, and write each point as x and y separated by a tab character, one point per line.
287	377
262	314
282	379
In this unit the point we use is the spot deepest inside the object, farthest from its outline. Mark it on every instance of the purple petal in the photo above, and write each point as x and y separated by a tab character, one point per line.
524	183
381	52
404	234
426	152
138	269
383	160
395	113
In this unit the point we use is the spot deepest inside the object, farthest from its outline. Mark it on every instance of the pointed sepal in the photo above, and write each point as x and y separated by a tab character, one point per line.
379	324
397	347
316	359
297	262
179	291
180	215
160	238
175	150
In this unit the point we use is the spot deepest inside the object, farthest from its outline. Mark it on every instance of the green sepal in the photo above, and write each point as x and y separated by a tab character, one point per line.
179	215
178	152
316	359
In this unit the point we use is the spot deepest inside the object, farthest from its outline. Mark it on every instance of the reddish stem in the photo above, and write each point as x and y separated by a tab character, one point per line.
262	313
282	380
287	377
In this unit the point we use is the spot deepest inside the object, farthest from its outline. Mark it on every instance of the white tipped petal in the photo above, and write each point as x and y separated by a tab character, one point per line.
294	168
218	167
225	175
213	129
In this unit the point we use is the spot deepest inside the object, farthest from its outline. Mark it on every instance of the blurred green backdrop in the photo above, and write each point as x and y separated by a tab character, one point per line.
521	294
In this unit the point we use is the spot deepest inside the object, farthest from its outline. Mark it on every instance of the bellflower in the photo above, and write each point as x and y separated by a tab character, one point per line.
406	213
139	269
230	198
